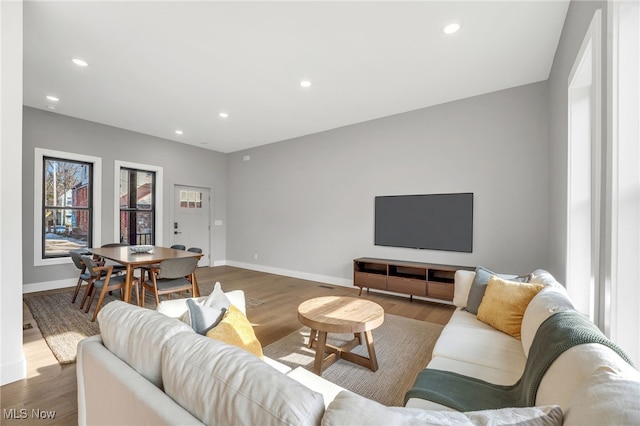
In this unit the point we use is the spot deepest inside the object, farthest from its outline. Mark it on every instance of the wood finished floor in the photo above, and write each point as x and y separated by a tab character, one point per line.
52	387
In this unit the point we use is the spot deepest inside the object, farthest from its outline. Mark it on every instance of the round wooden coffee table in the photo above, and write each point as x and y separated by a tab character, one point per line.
340	314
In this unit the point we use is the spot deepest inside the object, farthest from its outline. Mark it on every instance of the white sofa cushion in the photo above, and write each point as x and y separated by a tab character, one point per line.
221	384
497	375
469	340
547	302
136	335
351	409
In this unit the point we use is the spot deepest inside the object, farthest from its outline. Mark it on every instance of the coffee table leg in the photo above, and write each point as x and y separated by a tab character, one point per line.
372	350
320	347
312	337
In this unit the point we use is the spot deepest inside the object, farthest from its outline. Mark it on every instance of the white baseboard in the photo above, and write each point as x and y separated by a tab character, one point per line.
13	372
49	285
294	274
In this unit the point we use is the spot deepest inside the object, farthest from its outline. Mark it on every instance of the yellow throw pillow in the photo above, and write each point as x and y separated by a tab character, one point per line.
235	329
504	303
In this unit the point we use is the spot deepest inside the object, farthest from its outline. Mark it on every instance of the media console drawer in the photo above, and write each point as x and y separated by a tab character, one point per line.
412	286
441	290
365	279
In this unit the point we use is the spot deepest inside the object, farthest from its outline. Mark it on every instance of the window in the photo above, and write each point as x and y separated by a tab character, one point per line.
622	316
66	218
584	176
123	229
137	206
66	204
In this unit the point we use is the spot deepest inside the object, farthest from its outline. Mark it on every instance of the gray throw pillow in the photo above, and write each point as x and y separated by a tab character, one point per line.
479	286
204	318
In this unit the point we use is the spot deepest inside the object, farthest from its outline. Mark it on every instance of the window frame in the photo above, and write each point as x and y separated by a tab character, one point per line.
38	190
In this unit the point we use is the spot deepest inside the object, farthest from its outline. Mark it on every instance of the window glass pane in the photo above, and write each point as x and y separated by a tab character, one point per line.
66	183
124	189
144	227
65	230
144	190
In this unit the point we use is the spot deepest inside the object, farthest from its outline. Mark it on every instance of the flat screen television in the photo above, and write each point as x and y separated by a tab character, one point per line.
433	221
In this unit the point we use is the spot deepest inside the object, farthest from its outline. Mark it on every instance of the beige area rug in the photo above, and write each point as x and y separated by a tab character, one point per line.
403	348
63	324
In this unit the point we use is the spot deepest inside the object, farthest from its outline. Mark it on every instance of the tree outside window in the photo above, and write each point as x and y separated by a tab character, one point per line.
67	206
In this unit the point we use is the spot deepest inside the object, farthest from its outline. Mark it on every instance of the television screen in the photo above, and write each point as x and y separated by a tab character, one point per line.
435	221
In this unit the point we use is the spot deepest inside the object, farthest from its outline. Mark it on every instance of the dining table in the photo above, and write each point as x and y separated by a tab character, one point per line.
132	260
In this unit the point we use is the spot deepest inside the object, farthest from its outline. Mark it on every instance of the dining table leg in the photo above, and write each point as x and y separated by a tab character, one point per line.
127	283
196	289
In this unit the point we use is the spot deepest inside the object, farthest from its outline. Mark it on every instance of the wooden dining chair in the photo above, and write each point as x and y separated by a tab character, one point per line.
172	276
103	284
84	275
147	269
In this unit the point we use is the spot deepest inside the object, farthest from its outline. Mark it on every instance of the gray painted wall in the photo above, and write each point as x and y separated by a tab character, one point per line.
307	204
183	164
575	27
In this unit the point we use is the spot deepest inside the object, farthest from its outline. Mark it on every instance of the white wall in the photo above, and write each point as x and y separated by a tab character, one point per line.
307	204
12	361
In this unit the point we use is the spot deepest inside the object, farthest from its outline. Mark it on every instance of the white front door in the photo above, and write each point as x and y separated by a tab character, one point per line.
191	226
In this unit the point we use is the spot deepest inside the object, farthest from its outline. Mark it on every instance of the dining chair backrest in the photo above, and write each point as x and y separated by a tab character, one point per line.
177	268
77	259
195	249
178	247
91	266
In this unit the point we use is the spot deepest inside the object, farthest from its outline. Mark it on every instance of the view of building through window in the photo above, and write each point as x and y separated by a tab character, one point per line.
137	206
66	216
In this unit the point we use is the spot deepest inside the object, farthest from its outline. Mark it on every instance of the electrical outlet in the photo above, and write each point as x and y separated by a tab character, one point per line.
255	256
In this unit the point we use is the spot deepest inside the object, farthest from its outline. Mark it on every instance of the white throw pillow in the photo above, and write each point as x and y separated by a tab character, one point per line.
351	409
136	335
211	309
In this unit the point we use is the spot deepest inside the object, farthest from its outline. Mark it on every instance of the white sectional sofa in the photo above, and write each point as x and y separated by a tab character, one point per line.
150	368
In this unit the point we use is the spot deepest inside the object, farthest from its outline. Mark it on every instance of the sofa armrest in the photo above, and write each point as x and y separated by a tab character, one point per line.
110	392
462	284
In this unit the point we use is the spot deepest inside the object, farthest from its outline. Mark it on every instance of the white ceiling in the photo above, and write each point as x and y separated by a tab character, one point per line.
155	67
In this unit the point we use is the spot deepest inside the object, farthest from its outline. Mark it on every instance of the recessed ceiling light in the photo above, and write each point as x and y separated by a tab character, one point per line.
52	98
179	132
80	62
223	115
451	28
305	83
